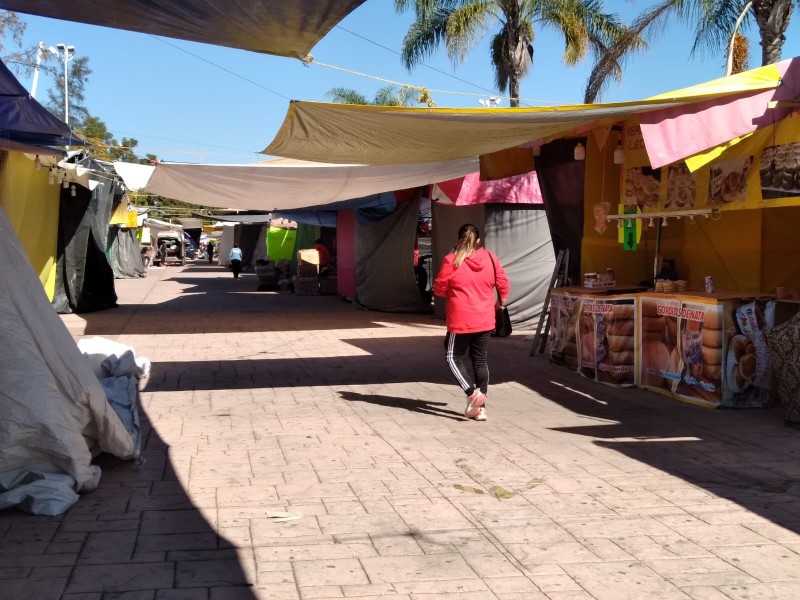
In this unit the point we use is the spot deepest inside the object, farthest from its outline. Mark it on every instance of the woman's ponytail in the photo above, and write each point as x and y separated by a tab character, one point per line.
468	236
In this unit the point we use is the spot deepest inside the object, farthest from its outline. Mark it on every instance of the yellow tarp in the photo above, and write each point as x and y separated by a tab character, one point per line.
760	170
32	208
380	135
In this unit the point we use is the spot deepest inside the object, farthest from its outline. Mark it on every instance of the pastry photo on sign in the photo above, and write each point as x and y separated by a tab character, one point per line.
641	186
728	180
681	188
779	170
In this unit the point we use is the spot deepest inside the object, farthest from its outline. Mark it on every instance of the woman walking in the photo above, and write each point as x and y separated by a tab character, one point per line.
467	279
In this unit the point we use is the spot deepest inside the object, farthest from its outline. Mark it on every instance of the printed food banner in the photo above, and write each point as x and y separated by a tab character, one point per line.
562	342
747	364
596	336
681	350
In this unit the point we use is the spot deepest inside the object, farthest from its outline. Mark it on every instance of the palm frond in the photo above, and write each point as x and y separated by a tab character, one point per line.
609	63
341	95
423	37
502	70
465	26
716	23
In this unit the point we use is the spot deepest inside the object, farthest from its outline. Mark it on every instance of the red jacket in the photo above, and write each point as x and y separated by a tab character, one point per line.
469	290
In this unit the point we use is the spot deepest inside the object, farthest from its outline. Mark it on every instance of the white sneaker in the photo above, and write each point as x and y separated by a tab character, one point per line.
481	416
474	402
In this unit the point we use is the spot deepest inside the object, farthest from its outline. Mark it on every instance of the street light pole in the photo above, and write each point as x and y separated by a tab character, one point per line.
39	53
67	53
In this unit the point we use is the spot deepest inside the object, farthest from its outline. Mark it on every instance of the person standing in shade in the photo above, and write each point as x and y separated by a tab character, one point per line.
235	258
210	251
324	256
467	279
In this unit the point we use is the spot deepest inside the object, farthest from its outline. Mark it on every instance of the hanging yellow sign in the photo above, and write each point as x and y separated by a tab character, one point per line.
131	220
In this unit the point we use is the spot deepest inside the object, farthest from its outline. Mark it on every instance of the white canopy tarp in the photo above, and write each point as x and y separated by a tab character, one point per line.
281	27
284	184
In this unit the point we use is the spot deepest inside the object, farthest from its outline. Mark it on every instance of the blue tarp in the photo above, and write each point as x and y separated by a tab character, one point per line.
23	121
325	216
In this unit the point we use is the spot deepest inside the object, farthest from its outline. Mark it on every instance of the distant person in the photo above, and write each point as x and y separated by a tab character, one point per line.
235	258
468	278
162	250
210	251
324	256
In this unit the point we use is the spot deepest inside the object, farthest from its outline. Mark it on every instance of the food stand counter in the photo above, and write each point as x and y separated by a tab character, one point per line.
706	349
593	331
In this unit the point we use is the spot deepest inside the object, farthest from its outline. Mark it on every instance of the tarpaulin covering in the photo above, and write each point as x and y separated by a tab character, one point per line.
31	206
84	279
385	278
55	413
676	133
520	238
250	237
280	243
25	122
269	26
124	254
518	189
561	178
285	184
381	135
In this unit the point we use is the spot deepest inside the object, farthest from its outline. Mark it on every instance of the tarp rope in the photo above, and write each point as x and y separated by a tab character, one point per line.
425	93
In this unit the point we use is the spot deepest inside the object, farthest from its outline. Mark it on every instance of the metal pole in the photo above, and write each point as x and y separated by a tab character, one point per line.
39	53
66	88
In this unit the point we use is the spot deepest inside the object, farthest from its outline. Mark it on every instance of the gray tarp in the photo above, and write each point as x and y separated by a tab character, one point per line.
282	27
518	235
124	254
385	278
53	411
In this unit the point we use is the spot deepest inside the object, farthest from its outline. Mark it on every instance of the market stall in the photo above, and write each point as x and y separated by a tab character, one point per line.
711	237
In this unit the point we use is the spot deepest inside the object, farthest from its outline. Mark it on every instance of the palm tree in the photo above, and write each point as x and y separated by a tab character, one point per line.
714	22
386	96
460	24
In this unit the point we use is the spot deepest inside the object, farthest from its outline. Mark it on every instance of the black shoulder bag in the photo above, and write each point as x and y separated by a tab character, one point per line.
502	321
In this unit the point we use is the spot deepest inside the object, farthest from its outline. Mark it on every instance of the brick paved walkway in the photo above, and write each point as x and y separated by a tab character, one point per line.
261	404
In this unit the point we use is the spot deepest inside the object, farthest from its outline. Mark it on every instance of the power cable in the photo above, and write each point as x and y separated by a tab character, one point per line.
220	67
450	75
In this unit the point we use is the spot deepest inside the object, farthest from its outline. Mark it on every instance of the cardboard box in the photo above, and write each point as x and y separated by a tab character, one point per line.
328	285
307	270
310	256
307	263
306	286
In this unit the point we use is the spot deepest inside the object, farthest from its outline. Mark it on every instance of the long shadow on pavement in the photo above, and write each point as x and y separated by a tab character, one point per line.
424	407
745	456
137	535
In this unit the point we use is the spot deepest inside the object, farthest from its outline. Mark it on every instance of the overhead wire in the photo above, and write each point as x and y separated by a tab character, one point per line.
445	73
425	91
213	64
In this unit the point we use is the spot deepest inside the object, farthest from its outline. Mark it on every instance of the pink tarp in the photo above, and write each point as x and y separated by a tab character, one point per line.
675	133
465	191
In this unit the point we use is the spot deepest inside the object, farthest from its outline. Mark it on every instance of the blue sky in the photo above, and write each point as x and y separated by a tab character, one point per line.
188	102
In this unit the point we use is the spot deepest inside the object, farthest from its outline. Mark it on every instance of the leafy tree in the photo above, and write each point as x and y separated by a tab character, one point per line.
460	24
21	60
78	73
386	96
713	22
